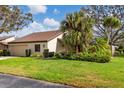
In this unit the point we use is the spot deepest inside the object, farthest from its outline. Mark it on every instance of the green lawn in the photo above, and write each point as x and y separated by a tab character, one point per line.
74	73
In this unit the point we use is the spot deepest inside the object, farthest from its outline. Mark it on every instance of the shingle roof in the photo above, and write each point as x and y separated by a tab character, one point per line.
38	37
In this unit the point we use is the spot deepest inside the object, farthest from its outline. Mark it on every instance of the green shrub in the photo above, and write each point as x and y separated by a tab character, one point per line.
85	57
121	49
1	52
104	59
95	57
117	53
28	52
37	55
46	53
6	53
51	54
63	55
57	55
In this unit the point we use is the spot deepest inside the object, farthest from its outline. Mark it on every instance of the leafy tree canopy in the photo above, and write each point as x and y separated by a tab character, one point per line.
99	13
13	19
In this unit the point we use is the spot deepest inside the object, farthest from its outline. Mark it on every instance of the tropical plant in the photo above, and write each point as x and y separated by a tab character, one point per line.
100	46
111	24
77	28
99	12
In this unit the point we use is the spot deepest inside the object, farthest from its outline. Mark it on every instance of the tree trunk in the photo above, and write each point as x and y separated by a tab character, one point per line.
111	50
77	49
109	39
108	36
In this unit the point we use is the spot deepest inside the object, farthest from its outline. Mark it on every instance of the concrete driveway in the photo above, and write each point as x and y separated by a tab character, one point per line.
6	57
11	81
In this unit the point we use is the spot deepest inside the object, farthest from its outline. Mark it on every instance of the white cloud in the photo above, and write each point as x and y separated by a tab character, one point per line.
50	22
35	9
33	27
56	11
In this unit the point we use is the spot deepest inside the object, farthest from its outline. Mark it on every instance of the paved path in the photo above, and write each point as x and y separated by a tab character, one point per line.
11	81
6	57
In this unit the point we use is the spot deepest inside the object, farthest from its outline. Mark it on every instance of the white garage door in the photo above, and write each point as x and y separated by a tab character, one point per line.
17	50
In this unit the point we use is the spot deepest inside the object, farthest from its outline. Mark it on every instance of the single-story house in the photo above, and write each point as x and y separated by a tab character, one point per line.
4	42
37	42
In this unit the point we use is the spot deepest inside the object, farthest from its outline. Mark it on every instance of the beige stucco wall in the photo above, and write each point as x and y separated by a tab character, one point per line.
60	47
19	48
52	44
32	46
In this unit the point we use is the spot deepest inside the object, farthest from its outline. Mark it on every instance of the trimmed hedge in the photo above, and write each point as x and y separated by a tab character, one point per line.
37	55
47	54
4	53
85	57
28	52
1	52
51	54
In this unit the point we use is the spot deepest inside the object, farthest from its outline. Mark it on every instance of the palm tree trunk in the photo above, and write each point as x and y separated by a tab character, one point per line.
111	49
108	36
111	43
77	49
109	39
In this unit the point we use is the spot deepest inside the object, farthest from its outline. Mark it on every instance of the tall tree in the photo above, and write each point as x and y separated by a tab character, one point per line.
77	28
111	24
99	13
13	19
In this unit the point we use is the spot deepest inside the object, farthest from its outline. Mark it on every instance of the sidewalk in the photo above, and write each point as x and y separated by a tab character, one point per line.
6	57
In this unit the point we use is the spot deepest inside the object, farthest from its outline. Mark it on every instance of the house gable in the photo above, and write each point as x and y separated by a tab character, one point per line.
38	37
4	42
19	46
52	44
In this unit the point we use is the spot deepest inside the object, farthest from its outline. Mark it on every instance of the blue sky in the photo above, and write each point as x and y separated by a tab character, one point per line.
45	18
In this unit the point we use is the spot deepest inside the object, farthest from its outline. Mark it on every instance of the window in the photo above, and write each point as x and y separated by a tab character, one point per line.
37	48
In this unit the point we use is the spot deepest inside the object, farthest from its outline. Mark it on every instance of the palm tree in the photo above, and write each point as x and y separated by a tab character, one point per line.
77	28
111	23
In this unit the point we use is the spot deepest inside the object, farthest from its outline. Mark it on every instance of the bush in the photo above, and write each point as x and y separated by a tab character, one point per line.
63	55
46	53
95	57
1	52
117	53
51	54
37	55
57	55
5	53
121	49
28	52
85	57
104	59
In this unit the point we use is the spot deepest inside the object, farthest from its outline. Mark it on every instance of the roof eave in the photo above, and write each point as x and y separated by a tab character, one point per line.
27	42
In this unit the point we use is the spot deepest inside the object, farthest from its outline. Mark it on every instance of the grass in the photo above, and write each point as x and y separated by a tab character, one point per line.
74	73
